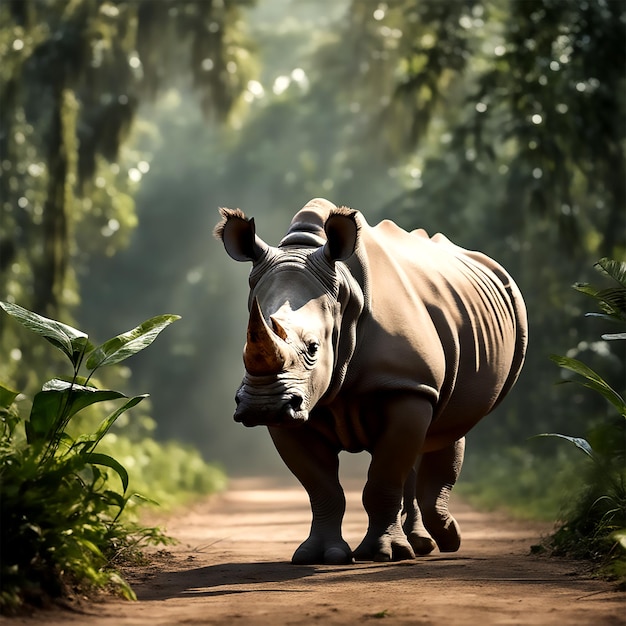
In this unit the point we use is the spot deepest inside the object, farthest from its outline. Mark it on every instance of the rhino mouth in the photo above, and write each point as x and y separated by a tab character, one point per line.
263	411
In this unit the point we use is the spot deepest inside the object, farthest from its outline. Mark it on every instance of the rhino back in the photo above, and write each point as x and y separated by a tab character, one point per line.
440	320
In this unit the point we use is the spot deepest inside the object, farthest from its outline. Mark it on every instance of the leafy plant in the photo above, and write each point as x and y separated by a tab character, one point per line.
60	515
595	527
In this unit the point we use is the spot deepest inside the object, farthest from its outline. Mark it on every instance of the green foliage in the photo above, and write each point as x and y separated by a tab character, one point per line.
62	497
73	74
533	88
514	479
330	116
595	525
500	124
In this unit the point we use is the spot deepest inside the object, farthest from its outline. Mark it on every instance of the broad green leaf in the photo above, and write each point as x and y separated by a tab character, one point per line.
615	269
77	380
96	458
31	435
579	442
89	545
125	345
124	587
613	301
57	402
585	288
592	381
69	340
118	499
7	396
110	419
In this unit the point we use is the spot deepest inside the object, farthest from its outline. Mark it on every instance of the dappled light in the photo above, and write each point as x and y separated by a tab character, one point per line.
126	125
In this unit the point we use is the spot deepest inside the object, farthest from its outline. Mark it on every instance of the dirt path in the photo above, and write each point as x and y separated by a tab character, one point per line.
231	567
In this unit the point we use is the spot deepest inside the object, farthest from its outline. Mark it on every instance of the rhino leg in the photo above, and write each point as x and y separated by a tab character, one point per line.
315	463
437	475
413	525
406	420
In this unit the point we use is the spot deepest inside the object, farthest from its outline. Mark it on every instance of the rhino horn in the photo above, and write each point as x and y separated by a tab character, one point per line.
263	353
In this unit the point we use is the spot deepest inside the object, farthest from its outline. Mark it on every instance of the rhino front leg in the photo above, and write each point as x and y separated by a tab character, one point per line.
315	463
406	420
437	475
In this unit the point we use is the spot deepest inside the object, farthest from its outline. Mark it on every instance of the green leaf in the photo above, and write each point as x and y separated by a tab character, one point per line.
125	345
89	545
602	316
585	288
69	340
110	419
57	402
611	300
125	589
579	442
592	381
615	269
105	460
7	396
117	498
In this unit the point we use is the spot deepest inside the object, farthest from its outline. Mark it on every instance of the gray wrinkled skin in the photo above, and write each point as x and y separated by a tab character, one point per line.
373	338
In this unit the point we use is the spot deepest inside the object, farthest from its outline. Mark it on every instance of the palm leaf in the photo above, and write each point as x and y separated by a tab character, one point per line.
615	269
592	380
579	442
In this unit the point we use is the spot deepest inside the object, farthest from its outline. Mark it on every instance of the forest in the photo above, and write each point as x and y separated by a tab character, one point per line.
125	125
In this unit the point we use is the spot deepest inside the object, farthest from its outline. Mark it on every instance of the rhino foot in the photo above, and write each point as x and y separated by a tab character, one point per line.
316	552
385	548
420	544
446	533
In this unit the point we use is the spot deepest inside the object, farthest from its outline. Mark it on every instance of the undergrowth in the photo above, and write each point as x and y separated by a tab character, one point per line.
66	497
594	526
521	481
584	493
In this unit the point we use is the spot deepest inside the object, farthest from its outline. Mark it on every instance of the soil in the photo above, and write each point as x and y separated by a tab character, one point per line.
231	567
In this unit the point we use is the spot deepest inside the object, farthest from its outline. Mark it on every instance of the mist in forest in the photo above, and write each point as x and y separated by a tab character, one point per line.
500	124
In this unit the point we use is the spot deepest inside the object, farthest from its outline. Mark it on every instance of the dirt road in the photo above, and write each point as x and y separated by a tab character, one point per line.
231	567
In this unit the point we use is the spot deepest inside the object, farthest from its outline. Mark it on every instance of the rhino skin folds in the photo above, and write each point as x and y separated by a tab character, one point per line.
377	339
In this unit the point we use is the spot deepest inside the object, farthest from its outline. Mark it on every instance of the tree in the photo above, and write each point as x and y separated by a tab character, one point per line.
511	115
73	75
534	87
389	109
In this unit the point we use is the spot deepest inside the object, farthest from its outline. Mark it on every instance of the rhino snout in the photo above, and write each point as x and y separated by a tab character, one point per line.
287	411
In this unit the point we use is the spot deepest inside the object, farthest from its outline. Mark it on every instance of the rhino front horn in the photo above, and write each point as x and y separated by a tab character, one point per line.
263	353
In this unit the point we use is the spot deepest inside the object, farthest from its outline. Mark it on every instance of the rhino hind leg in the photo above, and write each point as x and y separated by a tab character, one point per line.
437	474
413	524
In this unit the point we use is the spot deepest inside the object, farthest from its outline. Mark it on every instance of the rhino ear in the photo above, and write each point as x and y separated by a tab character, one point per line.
238	235
342	234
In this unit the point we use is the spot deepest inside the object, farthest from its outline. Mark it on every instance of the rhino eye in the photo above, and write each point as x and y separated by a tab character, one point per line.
312	347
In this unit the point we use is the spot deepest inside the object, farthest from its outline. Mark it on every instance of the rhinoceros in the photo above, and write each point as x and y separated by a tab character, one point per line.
372	338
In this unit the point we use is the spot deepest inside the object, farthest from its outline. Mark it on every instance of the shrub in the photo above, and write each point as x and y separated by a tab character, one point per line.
63	500
595	525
